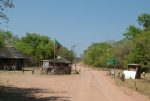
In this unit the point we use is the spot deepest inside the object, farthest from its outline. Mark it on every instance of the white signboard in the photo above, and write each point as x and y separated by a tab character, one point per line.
46	64
129	74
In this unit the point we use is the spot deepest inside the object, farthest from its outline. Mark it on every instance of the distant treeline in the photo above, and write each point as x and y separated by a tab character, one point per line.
133	48
34	46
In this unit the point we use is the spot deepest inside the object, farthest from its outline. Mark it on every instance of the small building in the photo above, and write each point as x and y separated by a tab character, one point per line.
137	68
10	59
56	66
133	71
45	64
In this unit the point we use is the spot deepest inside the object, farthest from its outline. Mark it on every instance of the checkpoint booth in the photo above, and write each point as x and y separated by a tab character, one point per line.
133	71
56	66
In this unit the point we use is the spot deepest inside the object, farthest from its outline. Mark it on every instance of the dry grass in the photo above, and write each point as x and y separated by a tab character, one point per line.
141	85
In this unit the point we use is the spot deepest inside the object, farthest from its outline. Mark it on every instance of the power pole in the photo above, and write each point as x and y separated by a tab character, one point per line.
73	54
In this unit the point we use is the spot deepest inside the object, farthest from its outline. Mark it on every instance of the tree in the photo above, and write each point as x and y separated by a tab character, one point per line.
132	32
7	38
121	51
4	5
144	20
39	47
65	53
35	46
45	51
23	47
97	54
1	41
134	48
141	52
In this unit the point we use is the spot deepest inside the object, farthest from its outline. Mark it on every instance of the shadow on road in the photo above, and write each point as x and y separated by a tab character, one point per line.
26	94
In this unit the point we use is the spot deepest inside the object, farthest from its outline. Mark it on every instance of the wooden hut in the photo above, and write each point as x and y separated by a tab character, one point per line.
10	59
56	66
137	68
133	71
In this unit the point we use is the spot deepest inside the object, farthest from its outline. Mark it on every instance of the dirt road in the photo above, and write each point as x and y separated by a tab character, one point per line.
94	86
90	85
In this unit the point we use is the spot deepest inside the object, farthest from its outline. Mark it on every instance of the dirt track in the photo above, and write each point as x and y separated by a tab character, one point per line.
90	85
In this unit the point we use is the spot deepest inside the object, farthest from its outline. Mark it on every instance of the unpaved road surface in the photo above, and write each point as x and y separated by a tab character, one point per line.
89	85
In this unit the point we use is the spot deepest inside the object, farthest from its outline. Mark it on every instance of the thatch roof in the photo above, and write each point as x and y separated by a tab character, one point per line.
134	65
10	52
61	60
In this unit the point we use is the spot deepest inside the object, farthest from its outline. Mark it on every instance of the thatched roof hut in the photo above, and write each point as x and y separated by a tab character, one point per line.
11	58
57	66
60	61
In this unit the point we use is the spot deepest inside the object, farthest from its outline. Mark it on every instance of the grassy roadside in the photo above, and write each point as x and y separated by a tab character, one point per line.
140	85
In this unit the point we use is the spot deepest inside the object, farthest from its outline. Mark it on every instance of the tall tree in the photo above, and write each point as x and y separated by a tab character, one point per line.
65	53
35	45
132	32
97	54
7	38
141	52
144	20
120	52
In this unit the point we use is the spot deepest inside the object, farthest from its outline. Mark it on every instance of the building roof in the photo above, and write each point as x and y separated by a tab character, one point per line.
10	52
45	60
134	65
61	60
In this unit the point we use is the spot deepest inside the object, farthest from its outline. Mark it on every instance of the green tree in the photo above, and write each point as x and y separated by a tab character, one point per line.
132	32
134	48
24	47
144	20
121	50
140	38
1	41
141	52
65	53
34	40
7	38
97	54
39	47
35	46
45	51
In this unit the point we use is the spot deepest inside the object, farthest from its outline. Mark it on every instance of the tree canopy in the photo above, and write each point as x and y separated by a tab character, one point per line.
35	46
134	48
132	32
97	54
39	47
144	20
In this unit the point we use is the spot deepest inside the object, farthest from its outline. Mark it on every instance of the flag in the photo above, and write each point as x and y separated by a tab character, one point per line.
57	45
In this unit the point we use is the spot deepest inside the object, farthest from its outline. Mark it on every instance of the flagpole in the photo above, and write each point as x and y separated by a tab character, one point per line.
54	53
